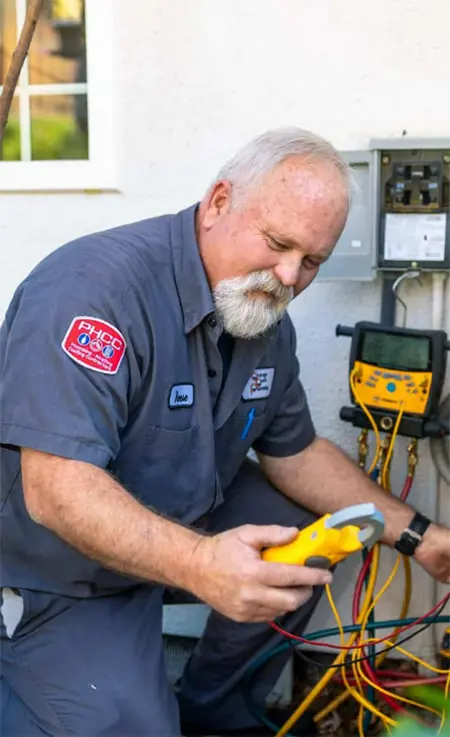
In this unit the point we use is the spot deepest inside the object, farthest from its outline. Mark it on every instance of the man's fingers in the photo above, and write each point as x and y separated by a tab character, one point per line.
286	575
272	603
280	601
266	614
267	536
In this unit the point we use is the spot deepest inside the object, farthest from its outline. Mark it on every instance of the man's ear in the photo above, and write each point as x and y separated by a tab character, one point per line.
217	203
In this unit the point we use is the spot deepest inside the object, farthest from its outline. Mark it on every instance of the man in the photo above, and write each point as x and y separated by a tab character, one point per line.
139	366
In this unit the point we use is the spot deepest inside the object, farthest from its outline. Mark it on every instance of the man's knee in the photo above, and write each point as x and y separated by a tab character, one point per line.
124	709
93	666
16	720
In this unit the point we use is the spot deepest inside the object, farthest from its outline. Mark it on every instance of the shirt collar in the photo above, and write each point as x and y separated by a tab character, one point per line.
190	277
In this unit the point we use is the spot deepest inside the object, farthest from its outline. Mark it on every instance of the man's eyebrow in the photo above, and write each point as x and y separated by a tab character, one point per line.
287	240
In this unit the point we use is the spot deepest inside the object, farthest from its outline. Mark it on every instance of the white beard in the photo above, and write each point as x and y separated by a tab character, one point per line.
244	316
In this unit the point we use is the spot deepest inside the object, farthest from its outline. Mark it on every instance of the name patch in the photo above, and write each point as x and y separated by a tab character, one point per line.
94	343
181	395
259	384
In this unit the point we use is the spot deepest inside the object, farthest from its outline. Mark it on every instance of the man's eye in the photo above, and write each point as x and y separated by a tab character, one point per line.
309	263
276	245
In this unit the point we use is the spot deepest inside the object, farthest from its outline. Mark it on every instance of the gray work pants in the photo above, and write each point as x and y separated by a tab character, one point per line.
95	667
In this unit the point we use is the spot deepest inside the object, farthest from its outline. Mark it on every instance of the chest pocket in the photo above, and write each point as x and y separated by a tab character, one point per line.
174	474
236	436
249	418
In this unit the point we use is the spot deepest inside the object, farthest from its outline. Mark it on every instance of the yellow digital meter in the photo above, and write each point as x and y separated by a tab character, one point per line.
331	538
396	368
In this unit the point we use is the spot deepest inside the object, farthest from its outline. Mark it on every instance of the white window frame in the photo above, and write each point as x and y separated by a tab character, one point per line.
97	173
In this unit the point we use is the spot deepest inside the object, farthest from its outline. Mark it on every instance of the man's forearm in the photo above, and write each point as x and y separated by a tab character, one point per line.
84	506
324	480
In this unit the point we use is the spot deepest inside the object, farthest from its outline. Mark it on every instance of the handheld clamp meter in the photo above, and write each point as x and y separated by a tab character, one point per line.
332	538
397	368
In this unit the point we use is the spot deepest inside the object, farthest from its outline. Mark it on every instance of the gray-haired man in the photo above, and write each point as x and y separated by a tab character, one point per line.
165	355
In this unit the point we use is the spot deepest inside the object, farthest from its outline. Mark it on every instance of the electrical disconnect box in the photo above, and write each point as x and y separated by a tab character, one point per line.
414	223
400	214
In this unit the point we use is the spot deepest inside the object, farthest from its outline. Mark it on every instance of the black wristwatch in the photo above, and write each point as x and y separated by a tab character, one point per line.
412	536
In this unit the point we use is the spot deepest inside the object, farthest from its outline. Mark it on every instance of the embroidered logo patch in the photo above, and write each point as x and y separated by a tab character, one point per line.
259	384
181	395
94	343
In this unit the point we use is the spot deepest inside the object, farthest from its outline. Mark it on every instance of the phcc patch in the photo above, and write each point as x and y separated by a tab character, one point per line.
95	344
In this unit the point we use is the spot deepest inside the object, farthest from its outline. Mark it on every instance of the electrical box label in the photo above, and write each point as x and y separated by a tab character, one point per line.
415	237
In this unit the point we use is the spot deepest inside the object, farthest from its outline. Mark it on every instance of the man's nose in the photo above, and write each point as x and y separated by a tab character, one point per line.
287	271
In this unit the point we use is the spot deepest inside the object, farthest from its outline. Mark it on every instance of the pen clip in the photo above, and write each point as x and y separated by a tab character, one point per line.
250	418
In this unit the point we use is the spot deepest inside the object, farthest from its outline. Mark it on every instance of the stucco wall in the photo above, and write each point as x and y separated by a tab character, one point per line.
195	80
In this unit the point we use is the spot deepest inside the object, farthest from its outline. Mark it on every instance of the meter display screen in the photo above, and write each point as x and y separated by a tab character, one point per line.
397	352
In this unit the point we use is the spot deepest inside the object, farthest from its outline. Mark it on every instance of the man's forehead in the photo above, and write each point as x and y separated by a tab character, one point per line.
292	190
291	218
307	182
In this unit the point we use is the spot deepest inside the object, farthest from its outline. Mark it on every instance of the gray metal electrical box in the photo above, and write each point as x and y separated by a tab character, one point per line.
414	204
400	214
353	258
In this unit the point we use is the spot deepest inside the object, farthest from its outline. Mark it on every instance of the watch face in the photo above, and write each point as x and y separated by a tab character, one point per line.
408	543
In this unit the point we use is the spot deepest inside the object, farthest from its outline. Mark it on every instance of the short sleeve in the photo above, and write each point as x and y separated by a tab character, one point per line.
67	369
292	429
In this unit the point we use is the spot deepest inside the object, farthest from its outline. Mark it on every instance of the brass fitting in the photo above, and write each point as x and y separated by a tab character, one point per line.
386	423
413	457
363	448
386	441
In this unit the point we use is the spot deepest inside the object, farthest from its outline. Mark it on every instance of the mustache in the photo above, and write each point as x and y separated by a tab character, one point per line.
264	281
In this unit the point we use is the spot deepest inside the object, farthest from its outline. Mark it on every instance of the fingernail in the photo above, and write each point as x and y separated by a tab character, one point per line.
328	578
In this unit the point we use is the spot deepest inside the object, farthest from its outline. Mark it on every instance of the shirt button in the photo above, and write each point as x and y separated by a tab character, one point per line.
212	322
211	373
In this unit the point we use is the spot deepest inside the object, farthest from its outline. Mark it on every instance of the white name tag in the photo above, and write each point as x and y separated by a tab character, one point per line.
181	395
259	384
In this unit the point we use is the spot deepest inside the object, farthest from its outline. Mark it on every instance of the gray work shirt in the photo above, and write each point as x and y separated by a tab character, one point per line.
109	355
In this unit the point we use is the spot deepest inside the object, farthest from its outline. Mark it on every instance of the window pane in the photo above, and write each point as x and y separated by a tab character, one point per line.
59	127
11	139
57	51
7	35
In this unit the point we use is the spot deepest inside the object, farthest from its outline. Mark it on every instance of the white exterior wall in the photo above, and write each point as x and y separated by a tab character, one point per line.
194	81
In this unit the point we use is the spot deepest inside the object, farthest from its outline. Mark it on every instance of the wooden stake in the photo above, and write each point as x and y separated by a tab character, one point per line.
15	67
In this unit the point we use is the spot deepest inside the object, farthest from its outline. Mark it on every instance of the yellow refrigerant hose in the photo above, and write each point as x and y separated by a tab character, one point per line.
366	606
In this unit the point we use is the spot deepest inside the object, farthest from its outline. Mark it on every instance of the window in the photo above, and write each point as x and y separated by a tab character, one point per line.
59	132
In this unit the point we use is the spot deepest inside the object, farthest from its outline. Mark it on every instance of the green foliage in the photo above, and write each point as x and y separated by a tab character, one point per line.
52	138
11	141
435	699
57	138
410	728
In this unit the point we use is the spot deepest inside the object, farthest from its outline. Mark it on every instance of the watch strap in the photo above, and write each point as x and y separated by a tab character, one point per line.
411	538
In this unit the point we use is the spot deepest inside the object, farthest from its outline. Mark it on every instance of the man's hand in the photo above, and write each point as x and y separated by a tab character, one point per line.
433	553
229	574
322	479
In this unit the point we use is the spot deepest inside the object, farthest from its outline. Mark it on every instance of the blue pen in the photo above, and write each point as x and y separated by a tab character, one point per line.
250	418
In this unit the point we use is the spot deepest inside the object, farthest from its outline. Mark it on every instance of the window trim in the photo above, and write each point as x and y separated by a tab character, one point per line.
99	172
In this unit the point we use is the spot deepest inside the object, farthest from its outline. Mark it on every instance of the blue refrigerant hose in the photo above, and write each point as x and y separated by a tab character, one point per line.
262	659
